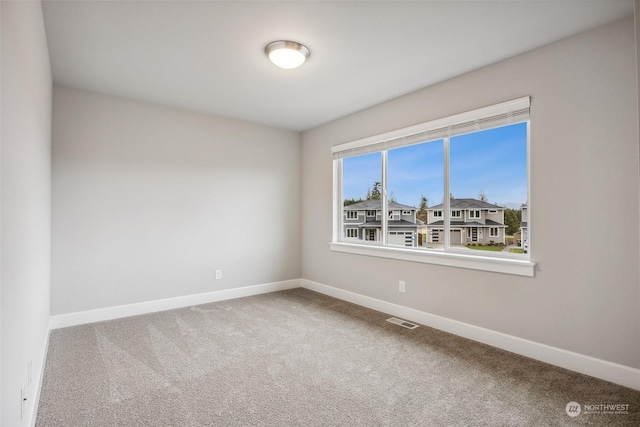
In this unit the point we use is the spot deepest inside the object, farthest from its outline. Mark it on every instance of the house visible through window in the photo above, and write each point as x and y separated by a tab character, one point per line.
394	186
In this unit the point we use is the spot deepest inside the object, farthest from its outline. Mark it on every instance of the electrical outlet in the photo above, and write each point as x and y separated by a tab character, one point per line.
218	274
401	286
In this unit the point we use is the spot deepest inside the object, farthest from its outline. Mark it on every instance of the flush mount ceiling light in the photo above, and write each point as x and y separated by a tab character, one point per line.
287	54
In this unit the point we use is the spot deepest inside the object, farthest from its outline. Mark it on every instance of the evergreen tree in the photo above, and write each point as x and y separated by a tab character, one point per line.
422	210
352	201
512	219
376	193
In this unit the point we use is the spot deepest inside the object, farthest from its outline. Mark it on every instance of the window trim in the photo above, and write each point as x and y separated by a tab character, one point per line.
346	232
506	113
475	214
349	214
518	267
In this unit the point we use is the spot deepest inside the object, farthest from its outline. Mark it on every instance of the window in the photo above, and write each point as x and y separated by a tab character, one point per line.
352	232
371	214
477	159
352	215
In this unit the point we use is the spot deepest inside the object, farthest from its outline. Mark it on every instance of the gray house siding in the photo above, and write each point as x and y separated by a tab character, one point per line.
465	228
402	223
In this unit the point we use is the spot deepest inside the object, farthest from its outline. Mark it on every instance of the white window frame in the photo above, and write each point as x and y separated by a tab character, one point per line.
405	213
510	112
371	214
351	214
454	211
348	229
437	214
497	233
475	214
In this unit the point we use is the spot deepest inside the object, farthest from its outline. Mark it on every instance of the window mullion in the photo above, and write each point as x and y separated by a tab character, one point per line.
447	198
385	207
338	221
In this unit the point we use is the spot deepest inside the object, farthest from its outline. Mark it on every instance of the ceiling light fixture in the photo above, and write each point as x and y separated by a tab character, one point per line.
287	54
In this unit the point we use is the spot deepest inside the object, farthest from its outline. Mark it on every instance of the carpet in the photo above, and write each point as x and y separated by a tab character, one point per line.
299	358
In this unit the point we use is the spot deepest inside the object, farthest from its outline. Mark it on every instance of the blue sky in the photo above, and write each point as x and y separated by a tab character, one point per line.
494	161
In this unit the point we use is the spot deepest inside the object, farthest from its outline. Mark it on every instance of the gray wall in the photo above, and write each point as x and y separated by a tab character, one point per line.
636	14
25	195
584	160
149	201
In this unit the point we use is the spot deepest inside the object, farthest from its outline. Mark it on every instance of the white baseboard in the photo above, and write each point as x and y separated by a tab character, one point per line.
40	380
109	313
613	372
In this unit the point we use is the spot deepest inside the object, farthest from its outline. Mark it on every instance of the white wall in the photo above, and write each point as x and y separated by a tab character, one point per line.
583	207
25	204
148	201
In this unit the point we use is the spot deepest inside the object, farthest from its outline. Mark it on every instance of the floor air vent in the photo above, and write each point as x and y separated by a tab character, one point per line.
402	323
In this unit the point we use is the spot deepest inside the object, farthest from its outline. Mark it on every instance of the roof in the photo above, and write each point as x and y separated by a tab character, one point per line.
467	204
375	205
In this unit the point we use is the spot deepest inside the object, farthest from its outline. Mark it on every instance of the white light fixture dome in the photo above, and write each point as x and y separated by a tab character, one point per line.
287	54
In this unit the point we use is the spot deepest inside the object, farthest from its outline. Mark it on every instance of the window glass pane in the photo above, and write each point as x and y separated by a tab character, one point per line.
415	179
488	183
361	192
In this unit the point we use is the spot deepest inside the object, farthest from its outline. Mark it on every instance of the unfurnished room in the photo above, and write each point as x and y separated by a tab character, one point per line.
319	213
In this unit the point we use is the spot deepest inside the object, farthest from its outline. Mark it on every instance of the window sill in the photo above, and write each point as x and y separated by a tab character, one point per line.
519	267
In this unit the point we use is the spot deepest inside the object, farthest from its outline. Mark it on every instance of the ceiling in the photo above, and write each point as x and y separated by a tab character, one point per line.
208	56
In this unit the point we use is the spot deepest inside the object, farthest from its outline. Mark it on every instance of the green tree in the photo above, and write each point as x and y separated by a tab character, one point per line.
512	218
376	192
352	201
422	210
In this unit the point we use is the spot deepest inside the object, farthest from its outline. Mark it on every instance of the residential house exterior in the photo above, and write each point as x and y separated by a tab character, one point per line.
472	222
363	221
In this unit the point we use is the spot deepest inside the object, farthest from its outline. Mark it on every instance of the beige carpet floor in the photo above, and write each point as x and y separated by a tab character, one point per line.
299	358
